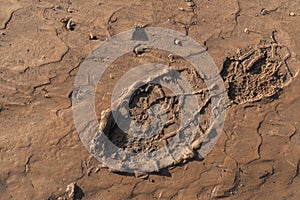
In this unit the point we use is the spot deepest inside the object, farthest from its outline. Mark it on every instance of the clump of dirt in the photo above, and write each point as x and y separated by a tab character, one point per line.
254	73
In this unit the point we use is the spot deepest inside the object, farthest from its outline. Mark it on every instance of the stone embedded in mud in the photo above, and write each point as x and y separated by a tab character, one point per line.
139	50
70	25
264	11
292	14
246	31
177	42
92	36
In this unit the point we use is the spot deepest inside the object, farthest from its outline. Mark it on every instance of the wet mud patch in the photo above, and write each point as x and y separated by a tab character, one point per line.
256	73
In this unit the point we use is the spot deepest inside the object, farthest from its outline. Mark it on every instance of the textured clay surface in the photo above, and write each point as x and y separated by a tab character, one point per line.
255	45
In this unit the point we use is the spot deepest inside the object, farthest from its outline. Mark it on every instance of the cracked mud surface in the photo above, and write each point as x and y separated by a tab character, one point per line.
257	155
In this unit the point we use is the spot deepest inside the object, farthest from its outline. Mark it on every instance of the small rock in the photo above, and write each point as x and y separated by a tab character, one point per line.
246	31
92	36
69	10
264	11
139	50
111	76
2	33
47	96
181	8
70	25
292	14
177	42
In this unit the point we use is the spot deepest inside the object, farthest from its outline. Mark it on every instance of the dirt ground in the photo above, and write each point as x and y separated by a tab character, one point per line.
256	157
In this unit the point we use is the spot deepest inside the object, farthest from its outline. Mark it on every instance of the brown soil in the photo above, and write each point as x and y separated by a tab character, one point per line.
42	44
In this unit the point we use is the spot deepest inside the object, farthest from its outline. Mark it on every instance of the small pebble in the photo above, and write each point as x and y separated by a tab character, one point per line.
177	42
263	11
246	31
70	25
138	50
111	76
47	96
2	33
181	8
292	14
92	36
70	10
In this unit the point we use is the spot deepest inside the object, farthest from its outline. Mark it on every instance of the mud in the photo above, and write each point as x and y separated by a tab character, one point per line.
155	111
257	72
257	155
